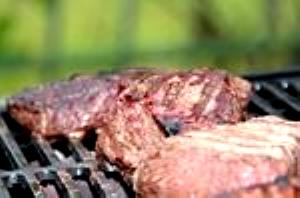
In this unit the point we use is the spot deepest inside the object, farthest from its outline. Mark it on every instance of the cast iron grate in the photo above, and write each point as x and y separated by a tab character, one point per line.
32	166
276	94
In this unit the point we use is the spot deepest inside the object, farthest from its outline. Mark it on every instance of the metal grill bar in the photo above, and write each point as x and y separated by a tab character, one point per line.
11	148
3	191
58	177
276	94
46	151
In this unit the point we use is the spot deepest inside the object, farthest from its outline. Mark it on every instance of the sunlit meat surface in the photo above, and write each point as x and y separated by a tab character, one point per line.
195	166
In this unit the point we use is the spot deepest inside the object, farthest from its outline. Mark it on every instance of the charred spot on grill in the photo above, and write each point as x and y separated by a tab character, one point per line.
64	150
89	140
170	126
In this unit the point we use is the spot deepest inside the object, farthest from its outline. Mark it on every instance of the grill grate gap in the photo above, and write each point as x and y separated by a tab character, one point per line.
82	176
89	140
255	110
65	151
7	163
26	143
271	98
17	185
51	180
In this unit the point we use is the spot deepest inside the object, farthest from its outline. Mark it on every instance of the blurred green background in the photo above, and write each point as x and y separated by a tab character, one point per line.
43	40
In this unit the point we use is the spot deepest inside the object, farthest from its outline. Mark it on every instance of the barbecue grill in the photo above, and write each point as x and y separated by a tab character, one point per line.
276	94
35	167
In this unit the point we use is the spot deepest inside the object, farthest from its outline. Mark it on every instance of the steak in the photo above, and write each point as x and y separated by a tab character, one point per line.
177	100
192	99
148	110
268	135
73	106
129	133
65	107
193	166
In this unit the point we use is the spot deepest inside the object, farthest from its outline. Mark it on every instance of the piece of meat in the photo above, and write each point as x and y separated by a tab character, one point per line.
128	135
72	106
65	107
192	166
192	99
202	98
140	99
281	188
268	134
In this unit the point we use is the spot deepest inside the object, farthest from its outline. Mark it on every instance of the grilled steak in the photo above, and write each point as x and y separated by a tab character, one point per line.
193	166
193	99
177	100
268	134
73	106
153	104
64	107
128	135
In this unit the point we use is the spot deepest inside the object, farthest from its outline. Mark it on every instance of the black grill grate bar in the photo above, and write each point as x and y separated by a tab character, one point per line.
265	106
110	186
33	184
85	175
17	183
11	147
45	150
72	190
50	177
82	177
282	96
3	191
81	151
295	84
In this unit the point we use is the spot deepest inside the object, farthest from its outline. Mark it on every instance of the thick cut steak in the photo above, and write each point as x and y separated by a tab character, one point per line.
192	99
130	133
192	166
64	107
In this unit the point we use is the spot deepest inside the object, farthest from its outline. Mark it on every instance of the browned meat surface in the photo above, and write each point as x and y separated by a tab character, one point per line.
267	134
278	189
128	135
193	99
73	106
192	166
65	107
201	97
158	105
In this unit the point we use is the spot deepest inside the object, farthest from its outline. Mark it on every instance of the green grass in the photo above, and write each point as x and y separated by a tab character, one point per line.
92	35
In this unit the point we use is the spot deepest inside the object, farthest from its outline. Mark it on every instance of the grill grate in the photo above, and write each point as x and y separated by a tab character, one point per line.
276	94
36	167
